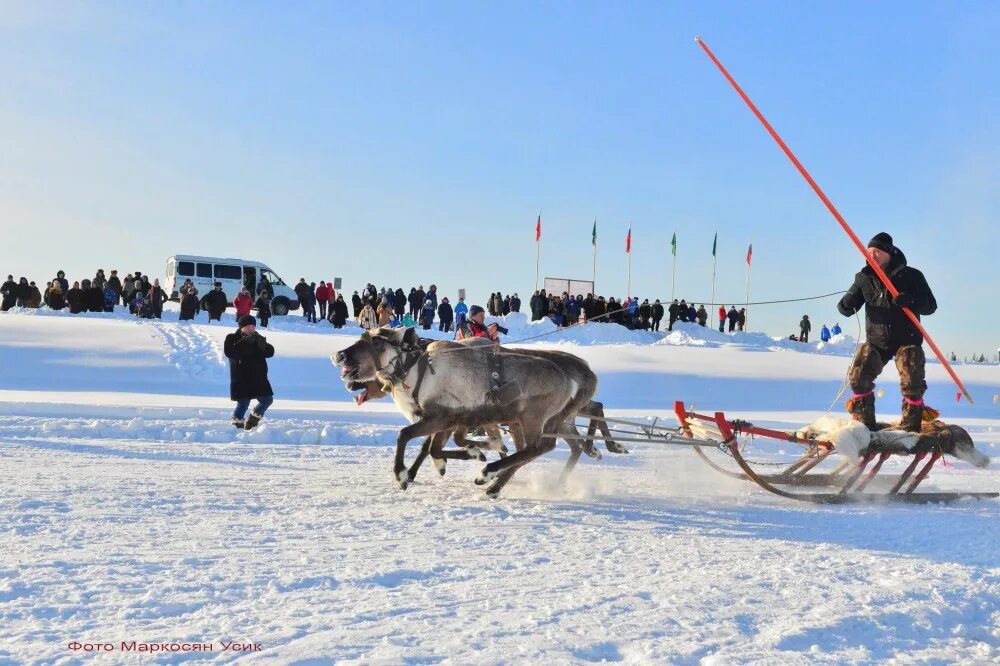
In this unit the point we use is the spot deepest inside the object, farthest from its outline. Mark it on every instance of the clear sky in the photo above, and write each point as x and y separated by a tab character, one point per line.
404	143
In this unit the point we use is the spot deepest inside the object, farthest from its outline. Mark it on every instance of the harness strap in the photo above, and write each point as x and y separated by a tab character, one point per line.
914	403
855	396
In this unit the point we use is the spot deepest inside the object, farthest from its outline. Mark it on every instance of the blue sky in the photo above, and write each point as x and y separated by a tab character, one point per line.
405	143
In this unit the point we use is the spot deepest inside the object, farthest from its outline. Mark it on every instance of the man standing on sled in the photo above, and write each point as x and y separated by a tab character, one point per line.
888	333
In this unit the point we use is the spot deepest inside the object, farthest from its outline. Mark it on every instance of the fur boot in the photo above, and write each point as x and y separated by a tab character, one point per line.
238	423
253	420
913	414
862	409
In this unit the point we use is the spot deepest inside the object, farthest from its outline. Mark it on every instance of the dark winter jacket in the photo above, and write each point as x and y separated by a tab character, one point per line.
673	310
94	298
339	312
515	304
74	299
805	325
445	312
189	304
886	325
356	302
657	311
215	302
248	356
399	302
55	299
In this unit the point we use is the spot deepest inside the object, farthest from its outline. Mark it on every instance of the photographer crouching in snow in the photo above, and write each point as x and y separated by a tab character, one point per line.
473	327
248	351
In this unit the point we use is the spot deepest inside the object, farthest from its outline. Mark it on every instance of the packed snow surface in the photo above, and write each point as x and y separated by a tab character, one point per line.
132	511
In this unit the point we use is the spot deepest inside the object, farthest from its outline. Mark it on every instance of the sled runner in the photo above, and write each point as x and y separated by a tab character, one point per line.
844	483
848	483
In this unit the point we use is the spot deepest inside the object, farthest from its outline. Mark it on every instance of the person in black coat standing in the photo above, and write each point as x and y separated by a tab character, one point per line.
888	332
215	302
446	315
248	351
338	312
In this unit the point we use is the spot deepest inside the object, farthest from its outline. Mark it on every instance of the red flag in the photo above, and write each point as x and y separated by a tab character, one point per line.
628	241
749	253
538	229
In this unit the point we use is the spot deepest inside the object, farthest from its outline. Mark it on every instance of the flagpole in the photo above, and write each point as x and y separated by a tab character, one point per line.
593	277
715	261
673	279
628	248
746	304
538	247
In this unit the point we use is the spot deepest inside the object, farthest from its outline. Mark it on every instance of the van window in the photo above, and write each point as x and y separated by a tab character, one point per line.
185	268
272	278
204	270
226	272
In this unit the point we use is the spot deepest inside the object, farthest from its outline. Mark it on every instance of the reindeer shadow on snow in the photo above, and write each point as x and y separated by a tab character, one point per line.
445	389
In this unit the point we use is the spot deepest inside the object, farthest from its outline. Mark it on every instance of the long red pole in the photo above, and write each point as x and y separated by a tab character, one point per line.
836	214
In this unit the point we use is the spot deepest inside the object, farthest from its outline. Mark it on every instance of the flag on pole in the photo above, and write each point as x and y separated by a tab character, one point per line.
749	253
673	245
593	238
538	229
628	241
715	241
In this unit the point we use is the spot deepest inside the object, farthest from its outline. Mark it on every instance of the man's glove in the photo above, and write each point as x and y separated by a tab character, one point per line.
905	300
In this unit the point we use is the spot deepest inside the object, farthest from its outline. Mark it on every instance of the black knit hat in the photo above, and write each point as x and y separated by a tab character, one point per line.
475	309
246	320
882	241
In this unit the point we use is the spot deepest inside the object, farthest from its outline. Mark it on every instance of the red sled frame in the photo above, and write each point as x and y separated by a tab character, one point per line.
849	481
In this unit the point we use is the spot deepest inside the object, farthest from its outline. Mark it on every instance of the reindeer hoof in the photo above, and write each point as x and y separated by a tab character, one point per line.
439	465
403	479
485	476
480	456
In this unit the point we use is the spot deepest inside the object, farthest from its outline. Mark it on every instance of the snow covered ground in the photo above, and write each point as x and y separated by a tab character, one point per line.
132	511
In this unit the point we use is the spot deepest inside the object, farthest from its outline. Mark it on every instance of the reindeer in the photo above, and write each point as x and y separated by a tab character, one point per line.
574	366
450	385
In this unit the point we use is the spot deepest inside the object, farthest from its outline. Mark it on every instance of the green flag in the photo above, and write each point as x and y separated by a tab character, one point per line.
673	245
593	239
715	242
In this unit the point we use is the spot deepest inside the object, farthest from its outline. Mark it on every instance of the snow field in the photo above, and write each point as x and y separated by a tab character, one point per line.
131	510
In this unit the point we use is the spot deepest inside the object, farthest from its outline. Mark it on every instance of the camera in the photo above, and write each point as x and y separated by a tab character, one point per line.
501	329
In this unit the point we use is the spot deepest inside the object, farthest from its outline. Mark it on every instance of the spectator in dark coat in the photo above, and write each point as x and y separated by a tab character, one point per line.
303	292
215	302
34	296
55	298
701	314
248	351
645	312
339	316
682	311
63	282
515	303
93	297
445	315
74	299
399	303
673	312
733	316
538	306
22	291
692	313
656	312
804	327
741	322
357	304
116	286
9	293
156	297
263	305
189	305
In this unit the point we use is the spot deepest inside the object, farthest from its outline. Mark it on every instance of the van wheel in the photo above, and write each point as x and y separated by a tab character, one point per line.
280	307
